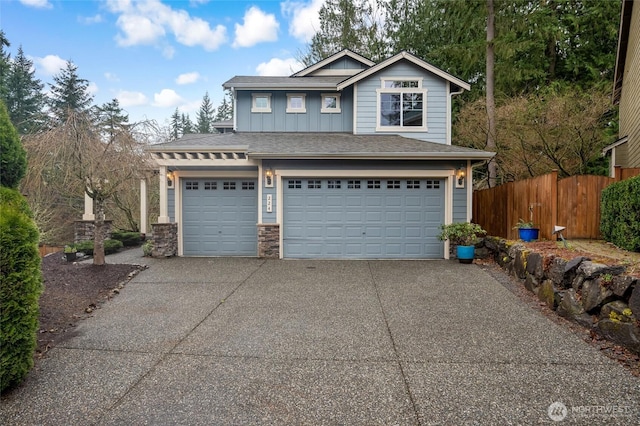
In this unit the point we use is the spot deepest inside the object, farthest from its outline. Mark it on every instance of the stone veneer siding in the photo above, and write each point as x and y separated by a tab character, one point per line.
83	230
269	241
165	239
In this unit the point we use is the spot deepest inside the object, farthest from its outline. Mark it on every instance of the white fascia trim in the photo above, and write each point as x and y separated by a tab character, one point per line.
448	117
354	101
377	156
469	183
206	163
410	58
333	58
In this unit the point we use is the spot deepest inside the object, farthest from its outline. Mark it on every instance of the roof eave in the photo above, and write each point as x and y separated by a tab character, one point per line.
479	156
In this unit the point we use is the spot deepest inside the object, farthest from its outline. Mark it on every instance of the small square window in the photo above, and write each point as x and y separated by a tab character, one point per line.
334	184
413	184
228	186
393	184
295	184
261	102
353	184
314	184
191	185
248	186
210	186
432	184
296	103
373	184
330	103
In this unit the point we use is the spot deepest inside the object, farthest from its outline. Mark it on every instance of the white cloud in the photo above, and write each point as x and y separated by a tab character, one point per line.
305	18
188	78
89	20
148	21
111	77
278	66
92	88
167	98
40	4
258	27
50	64
129	99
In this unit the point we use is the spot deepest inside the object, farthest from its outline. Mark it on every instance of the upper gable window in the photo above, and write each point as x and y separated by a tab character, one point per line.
330	103
261	102
401	105
296	102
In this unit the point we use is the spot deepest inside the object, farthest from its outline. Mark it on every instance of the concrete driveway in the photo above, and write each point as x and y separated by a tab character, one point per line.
201	341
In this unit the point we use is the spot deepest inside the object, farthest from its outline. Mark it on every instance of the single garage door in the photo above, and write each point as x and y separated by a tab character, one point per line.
363	218
219	217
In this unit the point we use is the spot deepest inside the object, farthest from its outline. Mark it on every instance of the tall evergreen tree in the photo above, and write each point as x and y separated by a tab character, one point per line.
205	115
225	109
5	64
24	97
186	125
112	119
69	93
13	157
175	126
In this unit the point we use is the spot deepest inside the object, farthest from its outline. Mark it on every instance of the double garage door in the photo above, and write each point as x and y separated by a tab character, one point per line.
322	218
219	217
363	218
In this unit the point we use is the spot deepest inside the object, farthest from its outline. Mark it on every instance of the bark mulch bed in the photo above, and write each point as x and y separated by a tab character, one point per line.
72	291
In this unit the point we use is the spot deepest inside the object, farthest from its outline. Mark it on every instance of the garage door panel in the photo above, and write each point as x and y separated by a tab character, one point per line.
220	220
369	218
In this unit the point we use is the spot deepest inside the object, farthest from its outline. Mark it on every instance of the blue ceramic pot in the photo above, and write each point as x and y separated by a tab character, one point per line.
465	253
528	234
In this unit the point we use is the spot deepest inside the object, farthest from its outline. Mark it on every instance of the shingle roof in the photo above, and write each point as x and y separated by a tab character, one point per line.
258	82
321	145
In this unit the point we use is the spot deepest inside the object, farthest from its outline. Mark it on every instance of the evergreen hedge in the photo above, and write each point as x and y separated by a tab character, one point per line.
20	287
129	239
13	157
110	246
620	214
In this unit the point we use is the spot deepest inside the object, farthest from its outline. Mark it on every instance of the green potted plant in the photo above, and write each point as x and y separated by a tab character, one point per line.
464	236
527	231
70	252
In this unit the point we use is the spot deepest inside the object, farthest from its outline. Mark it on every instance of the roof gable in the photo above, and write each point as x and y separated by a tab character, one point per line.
313	69
399	57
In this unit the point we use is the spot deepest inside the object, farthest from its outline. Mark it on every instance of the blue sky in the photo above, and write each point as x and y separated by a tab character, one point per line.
156	55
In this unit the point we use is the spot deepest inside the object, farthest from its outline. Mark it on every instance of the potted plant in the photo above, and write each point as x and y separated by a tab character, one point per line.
527	231
70	253
464	236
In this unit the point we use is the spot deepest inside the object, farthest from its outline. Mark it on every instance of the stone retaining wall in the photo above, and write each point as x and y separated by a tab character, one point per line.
597	296
83	230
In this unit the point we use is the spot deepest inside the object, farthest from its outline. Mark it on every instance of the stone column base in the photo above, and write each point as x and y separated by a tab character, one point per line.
84	230
269	240
165	239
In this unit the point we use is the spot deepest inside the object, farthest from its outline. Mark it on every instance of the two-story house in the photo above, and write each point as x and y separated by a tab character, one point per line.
344	159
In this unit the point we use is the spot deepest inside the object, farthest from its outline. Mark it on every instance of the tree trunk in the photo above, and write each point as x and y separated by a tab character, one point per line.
98	236
492	168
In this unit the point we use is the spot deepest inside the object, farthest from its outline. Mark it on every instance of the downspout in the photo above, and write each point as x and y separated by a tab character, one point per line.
451	94
233	96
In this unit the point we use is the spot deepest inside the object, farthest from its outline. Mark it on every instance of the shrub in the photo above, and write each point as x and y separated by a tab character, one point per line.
461	233
20	287
110	246
129	239
620	214
147	248
13	157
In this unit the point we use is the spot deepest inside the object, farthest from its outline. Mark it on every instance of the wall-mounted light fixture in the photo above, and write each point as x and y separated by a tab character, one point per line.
268	178
460	175
170	179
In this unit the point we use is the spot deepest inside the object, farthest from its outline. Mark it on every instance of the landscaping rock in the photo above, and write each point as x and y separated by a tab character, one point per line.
482	253
547	294
617	310
534	265
556	273
572	309
492	243
594	295
531	284
624	333
571	268
503	258
520	263
577	282
623	284
590	269
634	300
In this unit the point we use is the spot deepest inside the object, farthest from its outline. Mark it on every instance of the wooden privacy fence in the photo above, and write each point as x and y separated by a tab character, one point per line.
573	202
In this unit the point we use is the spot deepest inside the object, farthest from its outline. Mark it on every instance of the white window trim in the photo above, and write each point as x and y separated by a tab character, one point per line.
419	89
260	95
337	109
291	110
